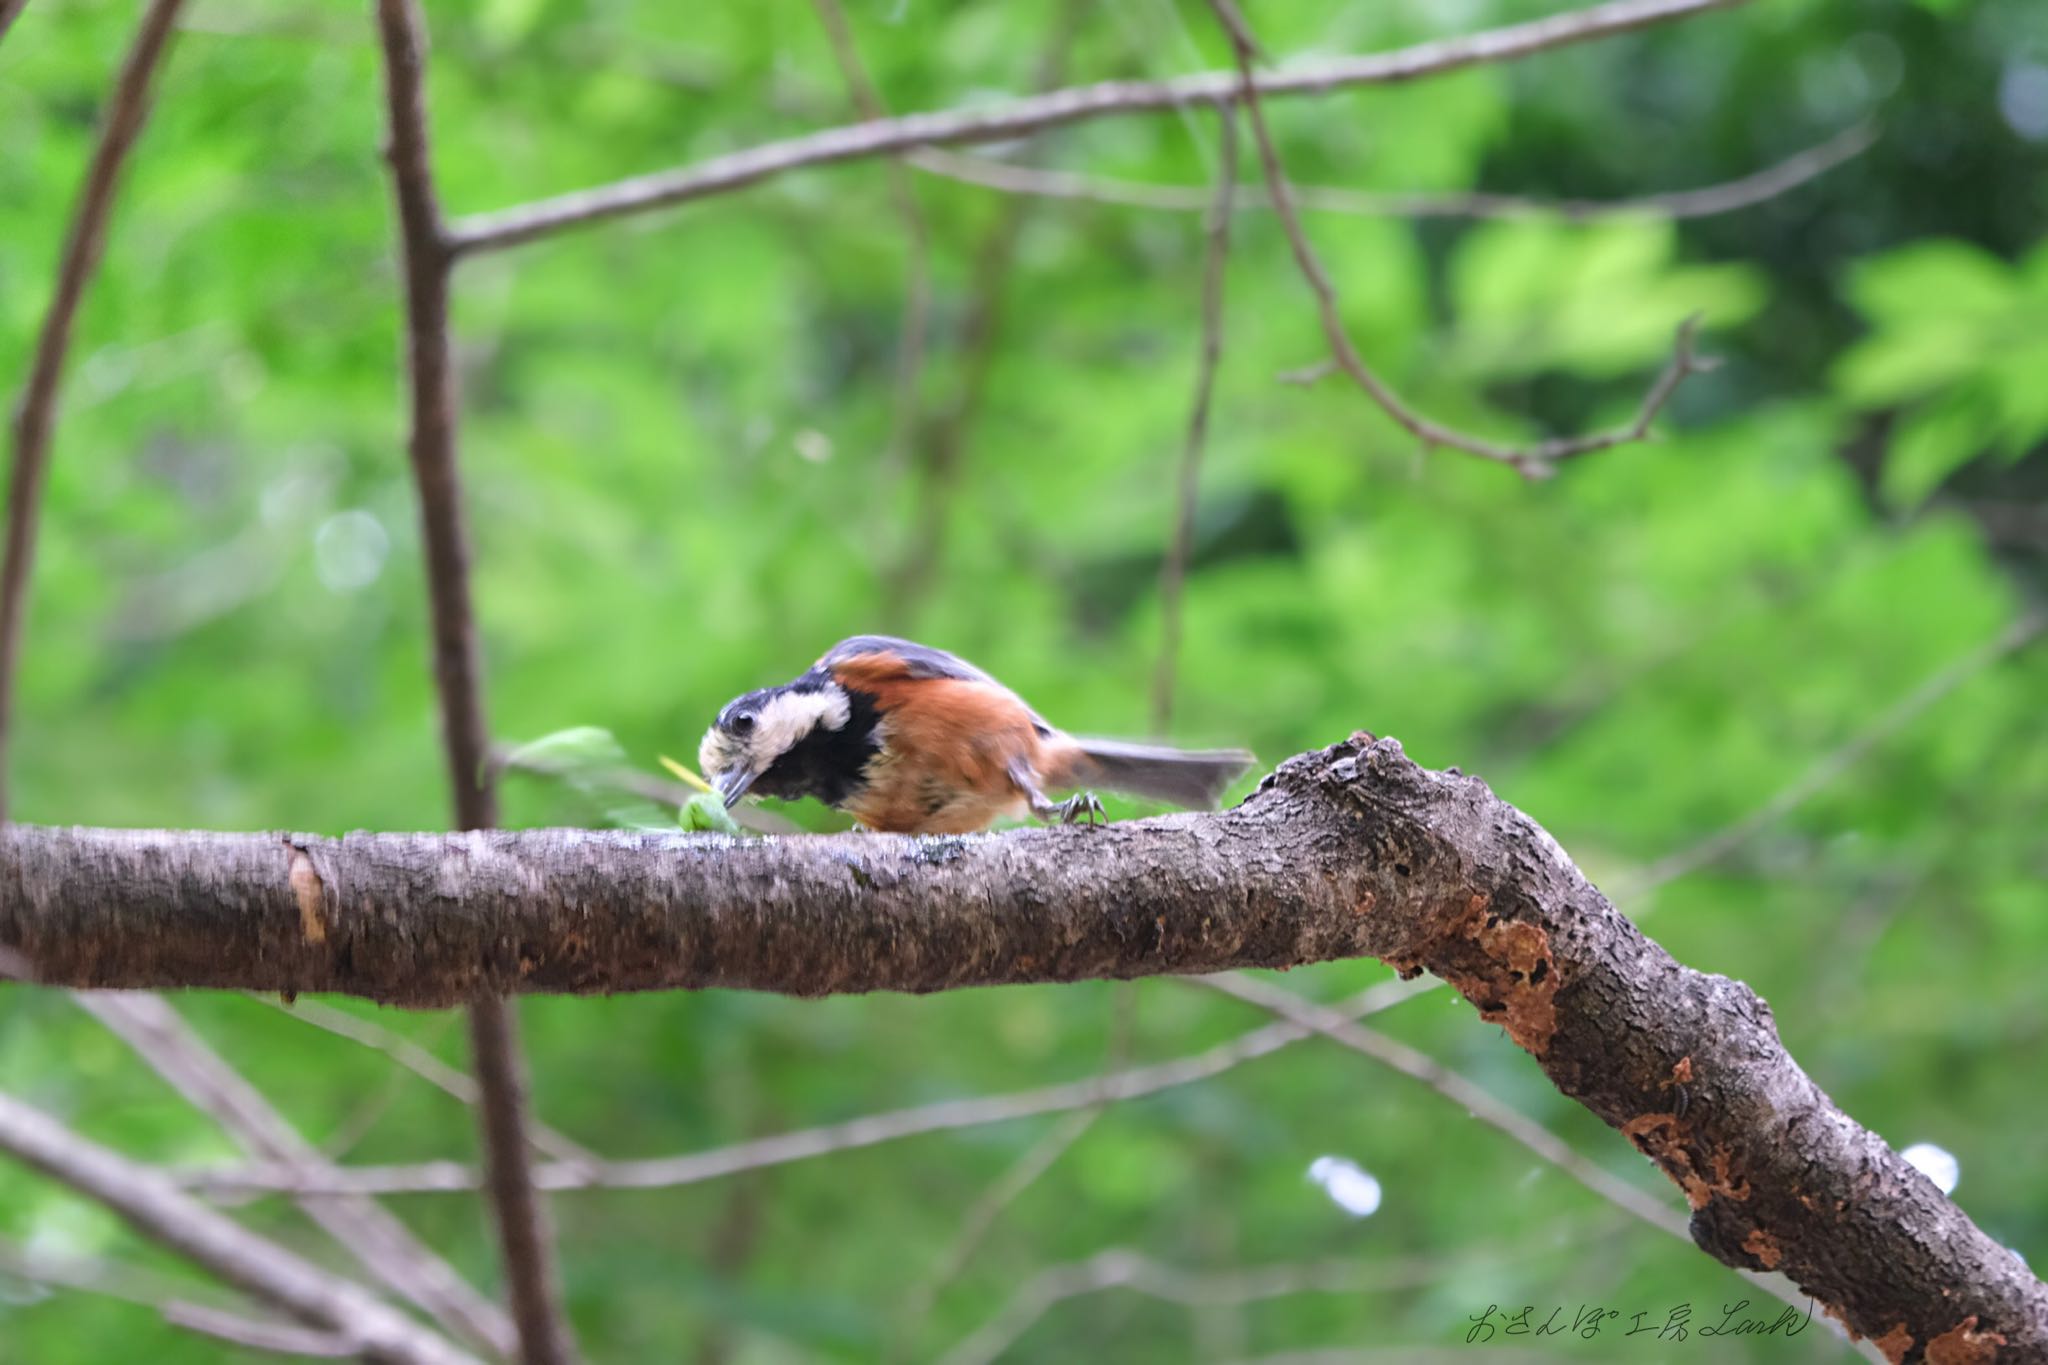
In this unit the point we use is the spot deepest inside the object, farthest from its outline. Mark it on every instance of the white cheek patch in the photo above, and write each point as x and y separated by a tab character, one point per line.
714	755
789	716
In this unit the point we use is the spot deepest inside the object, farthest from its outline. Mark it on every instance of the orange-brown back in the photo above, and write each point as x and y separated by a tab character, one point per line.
951	745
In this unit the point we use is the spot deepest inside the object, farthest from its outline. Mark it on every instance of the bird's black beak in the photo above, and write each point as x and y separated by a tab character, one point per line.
733	785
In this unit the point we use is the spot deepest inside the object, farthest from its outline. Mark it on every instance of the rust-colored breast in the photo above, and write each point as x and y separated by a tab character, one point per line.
948	745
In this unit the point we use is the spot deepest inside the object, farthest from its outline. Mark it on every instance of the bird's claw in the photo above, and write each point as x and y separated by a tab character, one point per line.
1084	807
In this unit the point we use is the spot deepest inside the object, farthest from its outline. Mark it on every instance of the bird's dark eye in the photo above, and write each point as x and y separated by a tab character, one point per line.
742	723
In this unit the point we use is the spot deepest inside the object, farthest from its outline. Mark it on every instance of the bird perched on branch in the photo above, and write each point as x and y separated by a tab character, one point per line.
912	740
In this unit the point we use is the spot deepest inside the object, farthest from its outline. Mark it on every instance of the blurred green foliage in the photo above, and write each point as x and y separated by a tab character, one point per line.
675	434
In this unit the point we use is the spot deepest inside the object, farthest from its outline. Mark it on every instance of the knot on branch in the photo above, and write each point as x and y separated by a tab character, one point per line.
1427	852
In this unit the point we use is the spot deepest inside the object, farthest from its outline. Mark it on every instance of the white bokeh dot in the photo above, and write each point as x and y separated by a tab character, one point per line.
2023	99
1936	1163
349	550
1350	1186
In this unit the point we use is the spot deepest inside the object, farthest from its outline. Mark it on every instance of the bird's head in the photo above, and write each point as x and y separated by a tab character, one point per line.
757	729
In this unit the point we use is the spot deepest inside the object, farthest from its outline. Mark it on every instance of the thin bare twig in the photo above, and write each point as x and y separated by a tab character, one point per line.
1120	1268
524	1230
371	1107
917	287
10	10
1835	762
1480	1104
735	1237
524	1236
457	666
1003	122
1705	202
941	444
450	1080
35	417
1812	780
443	1177
90	1274
1308	375
1174	571
1534	460
280	1338
380	1243
261	1268
132	1284
980	1217
1296	1009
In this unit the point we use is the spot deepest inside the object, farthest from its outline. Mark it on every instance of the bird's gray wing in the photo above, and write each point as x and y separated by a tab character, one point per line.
919	661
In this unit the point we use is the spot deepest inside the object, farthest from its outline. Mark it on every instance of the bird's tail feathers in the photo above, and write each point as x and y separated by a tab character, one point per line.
1192	778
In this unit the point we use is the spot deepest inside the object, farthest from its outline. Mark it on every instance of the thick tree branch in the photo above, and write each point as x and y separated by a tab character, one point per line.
1353	850
580	1171
36	415
523	1233
257	1266
1479	1103
1002	122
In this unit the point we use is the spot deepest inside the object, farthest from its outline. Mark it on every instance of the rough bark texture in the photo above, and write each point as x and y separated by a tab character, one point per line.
1353	850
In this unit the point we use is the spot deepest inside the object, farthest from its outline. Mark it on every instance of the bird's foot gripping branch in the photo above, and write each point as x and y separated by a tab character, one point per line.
1353	850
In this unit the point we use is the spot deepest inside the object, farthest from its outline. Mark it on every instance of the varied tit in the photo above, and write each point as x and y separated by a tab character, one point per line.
913	740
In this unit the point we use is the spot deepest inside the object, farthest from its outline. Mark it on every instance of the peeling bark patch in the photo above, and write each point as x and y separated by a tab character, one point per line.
1702	1174
1963	1344
311	895
1764	1247
1681	1074
1505	968
1895	1343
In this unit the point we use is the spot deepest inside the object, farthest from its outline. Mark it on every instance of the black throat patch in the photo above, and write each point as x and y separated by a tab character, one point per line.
828	764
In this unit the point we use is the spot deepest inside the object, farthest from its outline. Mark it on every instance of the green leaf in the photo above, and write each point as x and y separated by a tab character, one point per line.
577	749
588	760
707	812
1935	279
1932	443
